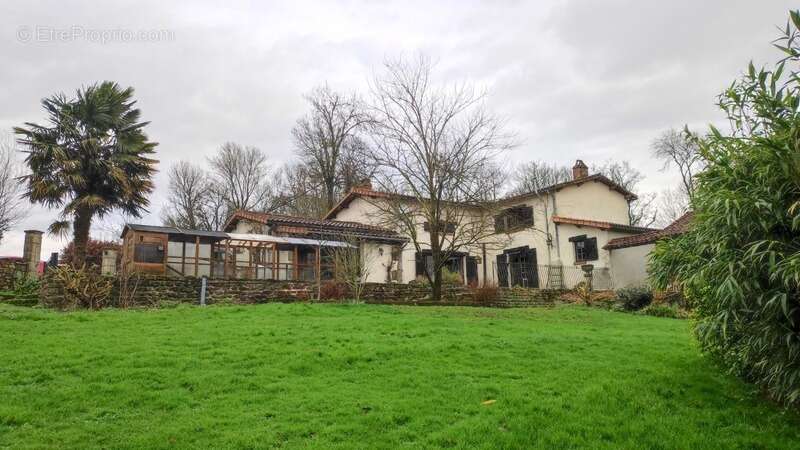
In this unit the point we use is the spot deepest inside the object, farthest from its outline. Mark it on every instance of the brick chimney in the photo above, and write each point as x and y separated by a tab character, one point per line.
580	170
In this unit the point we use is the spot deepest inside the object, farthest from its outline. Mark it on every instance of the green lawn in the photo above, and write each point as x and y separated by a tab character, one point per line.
370	376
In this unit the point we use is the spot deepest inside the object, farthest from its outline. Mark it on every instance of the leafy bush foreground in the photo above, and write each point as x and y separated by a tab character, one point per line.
739	264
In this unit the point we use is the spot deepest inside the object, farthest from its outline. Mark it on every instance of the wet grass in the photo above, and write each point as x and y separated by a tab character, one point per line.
328	376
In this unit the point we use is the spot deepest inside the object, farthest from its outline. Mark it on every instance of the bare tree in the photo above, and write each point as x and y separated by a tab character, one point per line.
242	177
189	191
435	146
12	209
352	265
672	204
681	149
642	211
301	192
321	136
533	176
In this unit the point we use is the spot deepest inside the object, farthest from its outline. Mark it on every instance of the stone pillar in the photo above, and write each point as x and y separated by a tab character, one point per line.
108	265
587	275
32	251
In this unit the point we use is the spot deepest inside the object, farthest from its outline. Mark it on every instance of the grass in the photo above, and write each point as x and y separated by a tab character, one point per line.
328	376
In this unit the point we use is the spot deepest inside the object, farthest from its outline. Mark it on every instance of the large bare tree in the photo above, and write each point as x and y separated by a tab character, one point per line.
322	137
189	190
680	148
535	175
12	209
241	179
435	146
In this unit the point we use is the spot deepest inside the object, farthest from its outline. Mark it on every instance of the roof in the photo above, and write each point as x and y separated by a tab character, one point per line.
286	240
173	230
359	192
367	192
675	228
610	226
320	225
599	178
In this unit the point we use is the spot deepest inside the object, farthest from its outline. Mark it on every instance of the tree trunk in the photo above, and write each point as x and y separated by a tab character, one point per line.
80	236
330	198
436	286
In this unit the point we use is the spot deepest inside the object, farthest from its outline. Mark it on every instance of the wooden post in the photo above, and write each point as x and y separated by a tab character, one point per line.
183	258
296	264
196	253
276	262
250	261
225	259
319	271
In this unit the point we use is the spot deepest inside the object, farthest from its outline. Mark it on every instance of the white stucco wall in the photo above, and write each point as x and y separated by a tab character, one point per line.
590	200
593	201
364	211
629	265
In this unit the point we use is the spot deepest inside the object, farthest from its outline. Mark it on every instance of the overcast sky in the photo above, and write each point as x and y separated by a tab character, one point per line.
574	79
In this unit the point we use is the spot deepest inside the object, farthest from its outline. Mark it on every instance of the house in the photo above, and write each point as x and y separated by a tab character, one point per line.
547	235
628	255
258	246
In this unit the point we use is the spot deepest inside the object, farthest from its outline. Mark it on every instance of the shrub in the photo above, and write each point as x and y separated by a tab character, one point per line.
660	310
25	285
333	290
83	288
485	294
634	298
739	263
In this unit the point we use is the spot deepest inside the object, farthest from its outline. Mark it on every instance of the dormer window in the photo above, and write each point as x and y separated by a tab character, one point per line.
513	219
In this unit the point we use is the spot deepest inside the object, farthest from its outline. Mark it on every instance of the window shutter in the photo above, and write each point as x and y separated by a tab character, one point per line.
591	249
419	262
498	224
526	214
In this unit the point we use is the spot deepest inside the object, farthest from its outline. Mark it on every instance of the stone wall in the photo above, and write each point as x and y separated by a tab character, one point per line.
9	268
154	290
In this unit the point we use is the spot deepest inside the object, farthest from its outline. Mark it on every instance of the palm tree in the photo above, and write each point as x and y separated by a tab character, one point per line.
93	158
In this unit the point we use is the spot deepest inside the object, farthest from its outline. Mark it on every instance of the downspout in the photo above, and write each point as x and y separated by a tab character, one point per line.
555	227
485	262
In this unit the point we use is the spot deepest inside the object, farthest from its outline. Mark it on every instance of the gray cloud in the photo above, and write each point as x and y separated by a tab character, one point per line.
576	79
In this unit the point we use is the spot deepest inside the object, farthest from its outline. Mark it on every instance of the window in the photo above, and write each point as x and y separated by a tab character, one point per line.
424	263
448	227
513	219
148	252
585	248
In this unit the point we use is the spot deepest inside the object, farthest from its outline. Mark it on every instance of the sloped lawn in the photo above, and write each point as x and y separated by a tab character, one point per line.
326	376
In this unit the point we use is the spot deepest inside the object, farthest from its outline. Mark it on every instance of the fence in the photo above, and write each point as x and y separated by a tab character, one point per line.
548	277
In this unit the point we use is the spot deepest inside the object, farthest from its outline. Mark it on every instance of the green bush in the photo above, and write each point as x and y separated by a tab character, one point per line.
661	310
25	285
634	298
739	264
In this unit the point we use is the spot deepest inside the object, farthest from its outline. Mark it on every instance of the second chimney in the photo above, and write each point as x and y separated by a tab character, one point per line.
580	170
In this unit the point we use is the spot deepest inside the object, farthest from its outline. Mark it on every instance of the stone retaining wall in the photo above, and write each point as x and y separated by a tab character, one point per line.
153	290
9	270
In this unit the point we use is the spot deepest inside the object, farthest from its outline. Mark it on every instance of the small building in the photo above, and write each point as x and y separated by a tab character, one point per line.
257	246
629	255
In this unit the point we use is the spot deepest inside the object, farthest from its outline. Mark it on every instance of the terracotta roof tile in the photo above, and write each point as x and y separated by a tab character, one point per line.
611	226
337	226
600	178
675	228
